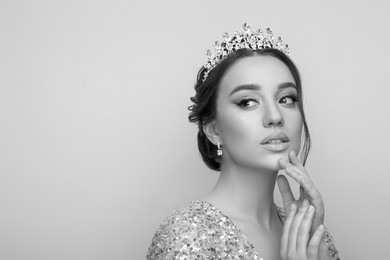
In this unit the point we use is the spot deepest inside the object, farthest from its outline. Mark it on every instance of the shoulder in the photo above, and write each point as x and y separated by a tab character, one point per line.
185	233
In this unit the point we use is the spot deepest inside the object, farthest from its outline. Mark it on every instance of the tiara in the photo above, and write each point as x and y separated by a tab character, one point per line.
247	40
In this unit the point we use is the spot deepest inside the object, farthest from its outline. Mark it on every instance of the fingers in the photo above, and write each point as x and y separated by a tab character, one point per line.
304	231
302	194
294	159
286	231
314	244
308	190
295	242
285	191
295	236
297	171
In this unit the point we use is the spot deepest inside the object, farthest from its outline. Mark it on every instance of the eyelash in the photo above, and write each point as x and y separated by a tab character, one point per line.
244	101
294	98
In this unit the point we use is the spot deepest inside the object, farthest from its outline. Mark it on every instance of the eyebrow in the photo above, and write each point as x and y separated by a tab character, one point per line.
287	85
245	87
258	87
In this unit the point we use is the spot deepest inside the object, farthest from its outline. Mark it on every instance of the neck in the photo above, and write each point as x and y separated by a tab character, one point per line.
245	193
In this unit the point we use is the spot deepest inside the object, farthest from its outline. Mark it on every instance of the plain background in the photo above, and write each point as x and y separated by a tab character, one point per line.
95	146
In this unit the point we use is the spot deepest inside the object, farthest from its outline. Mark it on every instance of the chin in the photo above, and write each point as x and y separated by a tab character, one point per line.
267	161
272	165
271	162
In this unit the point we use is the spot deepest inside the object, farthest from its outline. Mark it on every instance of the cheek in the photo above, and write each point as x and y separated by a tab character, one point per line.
237	128
233	128
296	128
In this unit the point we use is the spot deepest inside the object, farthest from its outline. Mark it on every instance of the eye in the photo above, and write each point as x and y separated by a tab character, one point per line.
288	100
247	103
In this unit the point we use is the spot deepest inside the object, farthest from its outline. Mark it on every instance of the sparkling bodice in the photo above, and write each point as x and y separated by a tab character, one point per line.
201	231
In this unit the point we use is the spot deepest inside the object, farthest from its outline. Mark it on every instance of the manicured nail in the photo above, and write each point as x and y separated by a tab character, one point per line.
311	209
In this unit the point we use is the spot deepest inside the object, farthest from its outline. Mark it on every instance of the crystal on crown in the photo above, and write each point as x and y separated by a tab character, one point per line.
253	40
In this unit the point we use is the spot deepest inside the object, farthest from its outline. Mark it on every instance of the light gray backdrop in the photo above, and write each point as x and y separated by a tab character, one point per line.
95	147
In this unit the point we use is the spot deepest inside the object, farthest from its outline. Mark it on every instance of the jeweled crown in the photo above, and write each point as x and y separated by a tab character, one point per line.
253	40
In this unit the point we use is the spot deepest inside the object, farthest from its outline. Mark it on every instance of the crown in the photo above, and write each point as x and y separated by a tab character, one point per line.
247	40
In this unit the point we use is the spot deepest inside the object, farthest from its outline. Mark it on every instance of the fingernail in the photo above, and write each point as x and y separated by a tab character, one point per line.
311	209
282	161
305	203
292	210
321	227
293	207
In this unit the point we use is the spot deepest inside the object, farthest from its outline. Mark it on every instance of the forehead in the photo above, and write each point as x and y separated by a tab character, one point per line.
266	71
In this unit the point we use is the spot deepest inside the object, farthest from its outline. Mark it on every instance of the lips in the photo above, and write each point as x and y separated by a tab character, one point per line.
275	138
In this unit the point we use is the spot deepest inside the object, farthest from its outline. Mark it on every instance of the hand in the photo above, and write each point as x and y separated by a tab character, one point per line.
297	171
295	243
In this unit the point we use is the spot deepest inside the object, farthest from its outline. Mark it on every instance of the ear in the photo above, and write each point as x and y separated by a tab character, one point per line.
212	132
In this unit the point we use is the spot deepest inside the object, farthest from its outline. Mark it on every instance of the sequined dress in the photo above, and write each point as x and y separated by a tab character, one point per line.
201	231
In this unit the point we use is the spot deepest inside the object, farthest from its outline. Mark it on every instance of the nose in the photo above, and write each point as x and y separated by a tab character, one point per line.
272	115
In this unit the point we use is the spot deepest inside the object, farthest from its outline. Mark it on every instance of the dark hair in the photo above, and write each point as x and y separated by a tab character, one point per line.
203	109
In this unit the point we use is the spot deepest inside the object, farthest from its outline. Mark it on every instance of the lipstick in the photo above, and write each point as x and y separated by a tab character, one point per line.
276	142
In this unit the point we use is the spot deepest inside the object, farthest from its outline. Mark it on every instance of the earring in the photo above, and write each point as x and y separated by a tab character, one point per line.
219	150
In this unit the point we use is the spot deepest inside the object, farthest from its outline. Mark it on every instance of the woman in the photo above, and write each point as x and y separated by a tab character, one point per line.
251	125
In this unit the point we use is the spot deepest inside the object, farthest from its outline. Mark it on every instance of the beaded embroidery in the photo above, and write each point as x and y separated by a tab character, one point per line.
200	231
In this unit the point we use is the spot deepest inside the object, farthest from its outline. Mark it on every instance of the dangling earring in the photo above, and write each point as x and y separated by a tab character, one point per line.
219	150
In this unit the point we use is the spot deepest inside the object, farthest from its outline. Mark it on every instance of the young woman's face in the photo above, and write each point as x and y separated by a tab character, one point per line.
258	119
